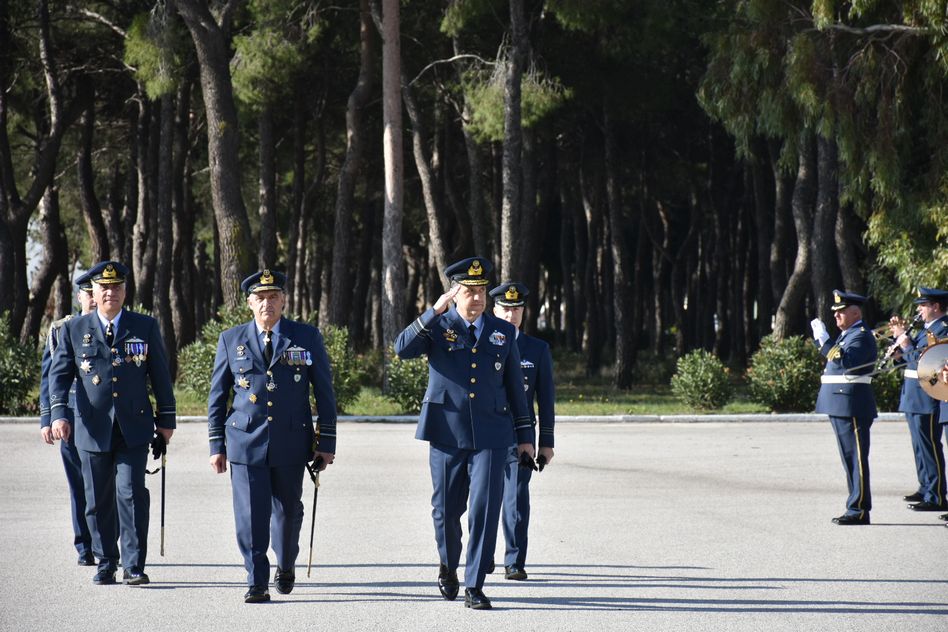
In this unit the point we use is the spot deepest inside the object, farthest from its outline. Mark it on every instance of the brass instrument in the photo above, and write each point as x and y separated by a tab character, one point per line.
930	365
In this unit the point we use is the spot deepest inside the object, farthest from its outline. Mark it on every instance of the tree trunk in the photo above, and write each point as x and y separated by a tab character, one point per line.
88	202
339	311
223	147
764	225
475	200
790	311
144	205
266	256
783	239
513	142
15	210
622	287
825	262
393	275
847	237
187	319
164	241
54	264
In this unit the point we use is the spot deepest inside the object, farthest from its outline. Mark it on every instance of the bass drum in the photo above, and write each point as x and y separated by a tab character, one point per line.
930	364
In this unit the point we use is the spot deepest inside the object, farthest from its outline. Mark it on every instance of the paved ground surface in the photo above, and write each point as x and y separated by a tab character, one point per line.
718	526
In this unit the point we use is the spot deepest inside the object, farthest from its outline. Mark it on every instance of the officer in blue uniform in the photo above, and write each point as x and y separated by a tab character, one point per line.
536	362
259	419
67	449
846	396
473	410
921	410
113	355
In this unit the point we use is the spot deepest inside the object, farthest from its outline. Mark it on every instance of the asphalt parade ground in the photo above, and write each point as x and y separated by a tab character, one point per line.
709	526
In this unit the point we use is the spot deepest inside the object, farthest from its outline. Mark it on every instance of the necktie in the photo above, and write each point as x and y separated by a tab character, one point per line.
473	330
109	334
267	348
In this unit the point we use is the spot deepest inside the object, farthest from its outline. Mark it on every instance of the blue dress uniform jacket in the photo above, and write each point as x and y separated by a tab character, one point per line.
112	383
854	347
67	449
922	414
536	362
472	391
474	409
851	408
114	424
537	365
263	427
260	417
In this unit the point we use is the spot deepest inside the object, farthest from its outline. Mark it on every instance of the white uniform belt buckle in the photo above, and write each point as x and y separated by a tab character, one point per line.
845	379
911	373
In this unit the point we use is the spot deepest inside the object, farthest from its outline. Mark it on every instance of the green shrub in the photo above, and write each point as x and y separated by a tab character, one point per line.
784	375
196	361
701	381
346	371
19	372
407	382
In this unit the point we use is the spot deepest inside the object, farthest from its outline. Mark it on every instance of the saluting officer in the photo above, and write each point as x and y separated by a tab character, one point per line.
67	449
537	366
921	410
259	419
846	396
115	354
473	410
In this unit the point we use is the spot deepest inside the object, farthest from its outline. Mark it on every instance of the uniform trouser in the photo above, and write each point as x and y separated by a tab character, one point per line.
929	456
115	486
267	508
852	437
516	512
77	496
459	476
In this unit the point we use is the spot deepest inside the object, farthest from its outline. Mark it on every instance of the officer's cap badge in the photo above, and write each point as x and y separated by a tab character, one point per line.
475	269
266	278
512	294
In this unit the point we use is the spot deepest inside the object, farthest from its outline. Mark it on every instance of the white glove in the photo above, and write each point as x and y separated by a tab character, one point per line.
819	331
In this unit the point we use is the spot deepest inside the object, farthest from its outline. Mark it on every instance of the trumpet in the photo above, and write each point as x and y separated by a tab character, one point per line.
894	347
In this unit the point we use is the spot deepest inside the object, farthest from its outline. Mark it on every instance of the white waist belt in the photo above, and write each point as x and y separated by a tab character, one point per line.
911	373
846	379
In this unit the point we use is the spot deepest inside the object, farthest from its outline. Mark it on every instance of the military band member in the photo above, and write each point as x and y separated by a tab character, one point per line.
846	396
921	410
473	410
113	355
943	419
67	449
537	366
259	419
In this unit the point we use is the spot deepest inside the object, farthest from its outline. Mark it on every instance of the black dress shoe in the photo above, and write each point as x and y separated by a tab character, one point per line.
256	594
913	498
104	576
515	572
284	580
852	519
491	567
943	517
135	577
448	583
476	599
86	559
927	506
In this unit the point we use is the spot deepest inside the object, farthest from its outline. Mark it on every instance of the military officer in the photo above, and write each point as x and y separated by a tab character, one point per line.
921	410
846	396
259	419
113	355
537	366
67	449
473	410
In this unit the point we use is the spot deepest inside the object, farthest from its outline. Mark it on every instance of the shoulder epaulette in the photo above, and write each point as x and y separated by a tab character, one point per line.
56	324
